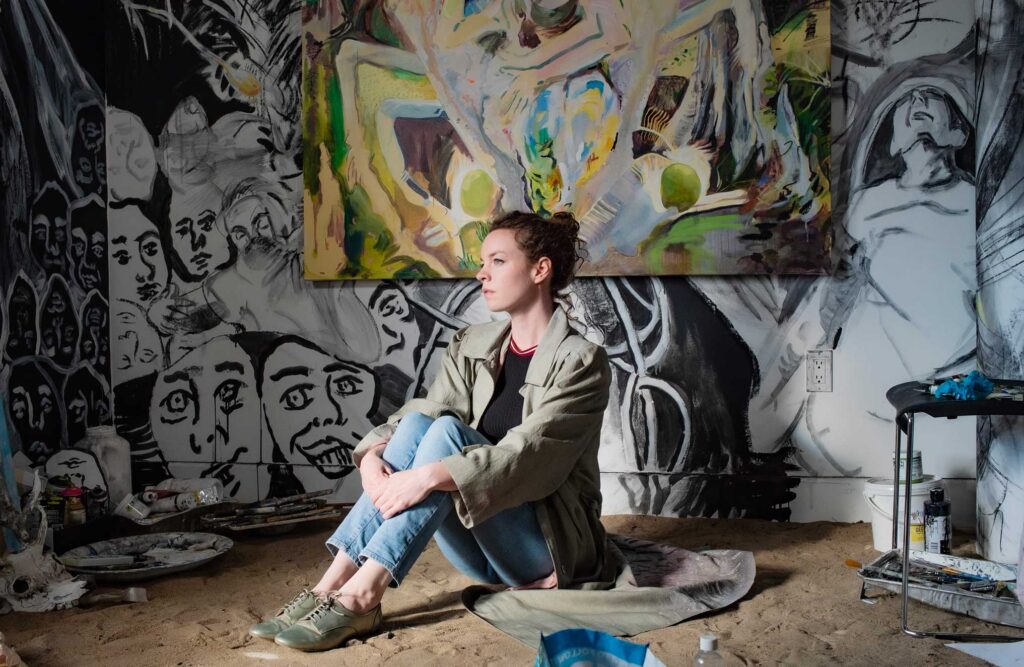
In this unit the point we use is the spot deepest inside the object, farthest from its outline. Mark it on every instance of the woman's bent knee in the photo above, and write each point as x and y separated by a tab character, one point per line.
416	420
446	426
443	438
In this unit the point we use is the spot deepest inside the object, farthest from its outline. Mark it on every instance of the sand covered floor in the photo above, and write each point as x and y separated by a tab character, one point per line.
802	610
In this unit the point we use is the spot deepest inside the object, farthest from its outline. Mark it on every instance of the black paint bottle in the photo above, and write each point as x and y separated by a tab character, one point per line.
938	526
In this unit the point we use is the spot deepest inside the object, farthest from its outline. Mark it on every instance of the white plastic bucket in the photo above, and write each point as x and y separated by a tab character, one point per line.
878	493
916	469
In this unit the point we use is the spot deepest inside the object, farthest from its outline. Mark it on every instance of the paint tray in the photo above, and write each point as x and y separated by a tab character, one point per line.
140	557
929	584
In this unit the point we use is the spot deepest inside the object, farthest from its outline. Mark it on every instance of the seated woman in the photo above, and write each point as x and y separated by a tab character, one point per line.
498	463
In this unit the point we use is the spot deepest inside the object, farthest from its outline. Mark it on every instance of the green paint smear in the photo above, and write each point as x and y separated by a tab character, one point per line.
794	23
337	120
369	245
471	237
809	99
379	27
538	173
324	121
689	233
311	134
406	75
812	106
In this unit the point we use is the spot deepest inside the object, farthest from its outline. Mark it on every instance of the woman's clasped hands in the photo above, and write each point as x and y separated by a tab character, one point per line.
394	492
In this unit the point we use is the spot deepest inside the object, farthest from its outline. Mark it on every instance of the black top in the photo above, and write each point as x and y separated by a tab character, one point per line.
506	407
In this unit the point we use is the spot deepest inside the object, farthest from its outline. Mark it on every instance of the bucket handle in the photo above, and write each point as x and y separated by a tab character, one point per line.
871	501
884	512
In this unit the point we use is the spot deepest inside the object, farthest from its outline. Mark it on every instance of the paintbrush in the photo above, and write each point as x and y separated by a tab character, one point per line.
892	575
964	575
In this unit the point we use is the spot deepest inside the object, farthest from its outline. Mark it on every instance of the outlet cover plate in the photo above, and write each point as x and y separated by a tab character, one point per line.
819	370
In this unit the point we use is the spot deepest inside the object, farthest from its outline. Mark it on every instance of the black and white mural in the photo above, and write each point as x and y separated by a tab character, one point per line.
226	363
54	331
151	248
1001	270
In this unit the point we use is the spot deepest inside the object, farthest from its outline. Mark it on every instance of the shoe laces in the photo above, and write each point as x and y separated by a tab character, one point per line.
319	611
288	608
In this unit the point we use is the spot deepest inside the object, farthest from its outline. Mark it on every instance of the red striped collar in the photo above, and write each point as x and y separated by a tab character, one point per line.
515	349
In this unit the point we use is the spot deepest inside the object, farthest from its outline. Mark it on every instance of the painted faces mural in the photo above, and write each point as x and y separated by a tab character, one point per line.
48	229
131	160
317	407
198	243
36	410
53	255
256	210
81	467
399	330
22	334
137	348
88	249
94	340
87	144
206	407
58	323
86	402
136	250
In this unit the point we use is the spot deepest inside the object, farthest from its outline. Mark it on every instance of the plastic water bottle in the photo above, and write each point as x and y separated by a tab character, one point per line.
708	653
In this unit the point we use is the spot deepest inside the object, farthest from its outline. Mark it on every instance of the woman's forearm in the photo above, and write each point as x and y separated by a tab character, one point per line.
439	478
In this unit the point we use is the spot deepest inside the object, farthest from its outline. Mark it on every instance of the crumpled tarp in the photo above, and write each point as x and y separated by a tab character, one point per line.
659	585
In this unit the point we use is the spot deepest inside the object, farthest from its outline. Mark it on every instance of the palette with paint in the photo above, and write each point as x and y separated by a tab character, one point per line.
970	586
142	557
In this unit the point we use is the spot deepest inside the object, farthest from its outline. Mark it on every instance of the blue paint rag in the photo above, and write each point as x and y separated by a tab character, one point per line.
972	387
583	646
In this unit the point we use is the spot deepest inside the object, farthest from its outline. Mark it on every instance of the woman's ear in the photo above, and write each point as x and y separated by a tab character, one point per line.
542	270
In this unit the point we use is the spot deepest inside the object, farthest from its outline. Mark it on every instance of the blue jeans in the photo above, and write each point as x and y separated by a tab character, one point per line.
508	548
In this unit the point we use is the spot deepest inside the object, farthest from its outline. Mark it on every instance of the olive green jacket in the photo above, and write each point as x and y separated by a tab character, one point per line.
550	459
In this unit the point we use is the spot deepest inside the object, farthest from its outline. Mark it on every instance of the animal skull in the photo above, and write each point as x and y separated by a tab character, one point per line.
31	579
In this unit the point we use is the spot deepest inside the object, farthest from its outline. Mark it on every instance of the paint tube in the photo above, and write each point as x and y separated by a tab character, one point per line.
938	524
150	495
187	500
175	503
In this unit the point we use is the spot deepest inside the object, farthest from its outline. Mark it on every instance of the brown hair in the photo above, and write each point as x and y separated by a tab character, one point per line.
556	238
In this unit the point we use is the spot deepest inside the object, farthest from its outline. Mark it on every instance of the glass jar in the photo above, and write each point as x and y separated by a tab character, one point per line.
113	454
74	507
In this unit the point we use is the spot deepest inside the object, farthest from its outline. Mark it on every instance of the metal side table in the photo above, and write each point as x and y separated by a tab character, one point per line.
909	399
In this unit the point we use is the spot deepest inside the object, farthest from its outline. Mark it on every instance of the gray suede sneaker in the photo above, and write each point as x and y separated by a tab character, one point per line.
328	626
300	606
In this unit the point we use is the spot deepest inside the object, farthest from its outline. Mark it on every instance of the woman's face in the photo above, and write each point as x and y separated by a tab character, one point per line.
509	281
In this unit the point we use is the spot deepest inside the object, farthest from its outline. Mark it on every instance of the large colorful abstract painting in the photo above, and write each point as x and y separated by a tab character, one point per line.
687	136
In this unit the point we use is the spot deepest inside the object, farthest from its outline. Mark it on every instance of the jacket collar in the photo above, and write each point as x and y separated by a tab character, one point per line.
487	341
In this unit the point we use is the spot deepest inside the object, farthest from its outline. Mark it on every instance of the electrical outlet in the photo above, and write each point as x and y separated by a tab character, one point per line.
819	370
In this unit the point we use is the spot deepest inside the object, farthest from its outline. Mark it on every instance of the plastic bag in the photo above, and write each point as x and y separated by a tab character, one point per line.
582	646
973	387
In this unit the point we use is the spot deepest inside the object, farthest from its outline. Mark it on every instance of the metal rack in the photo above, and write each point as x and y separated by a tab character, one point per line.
909	399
